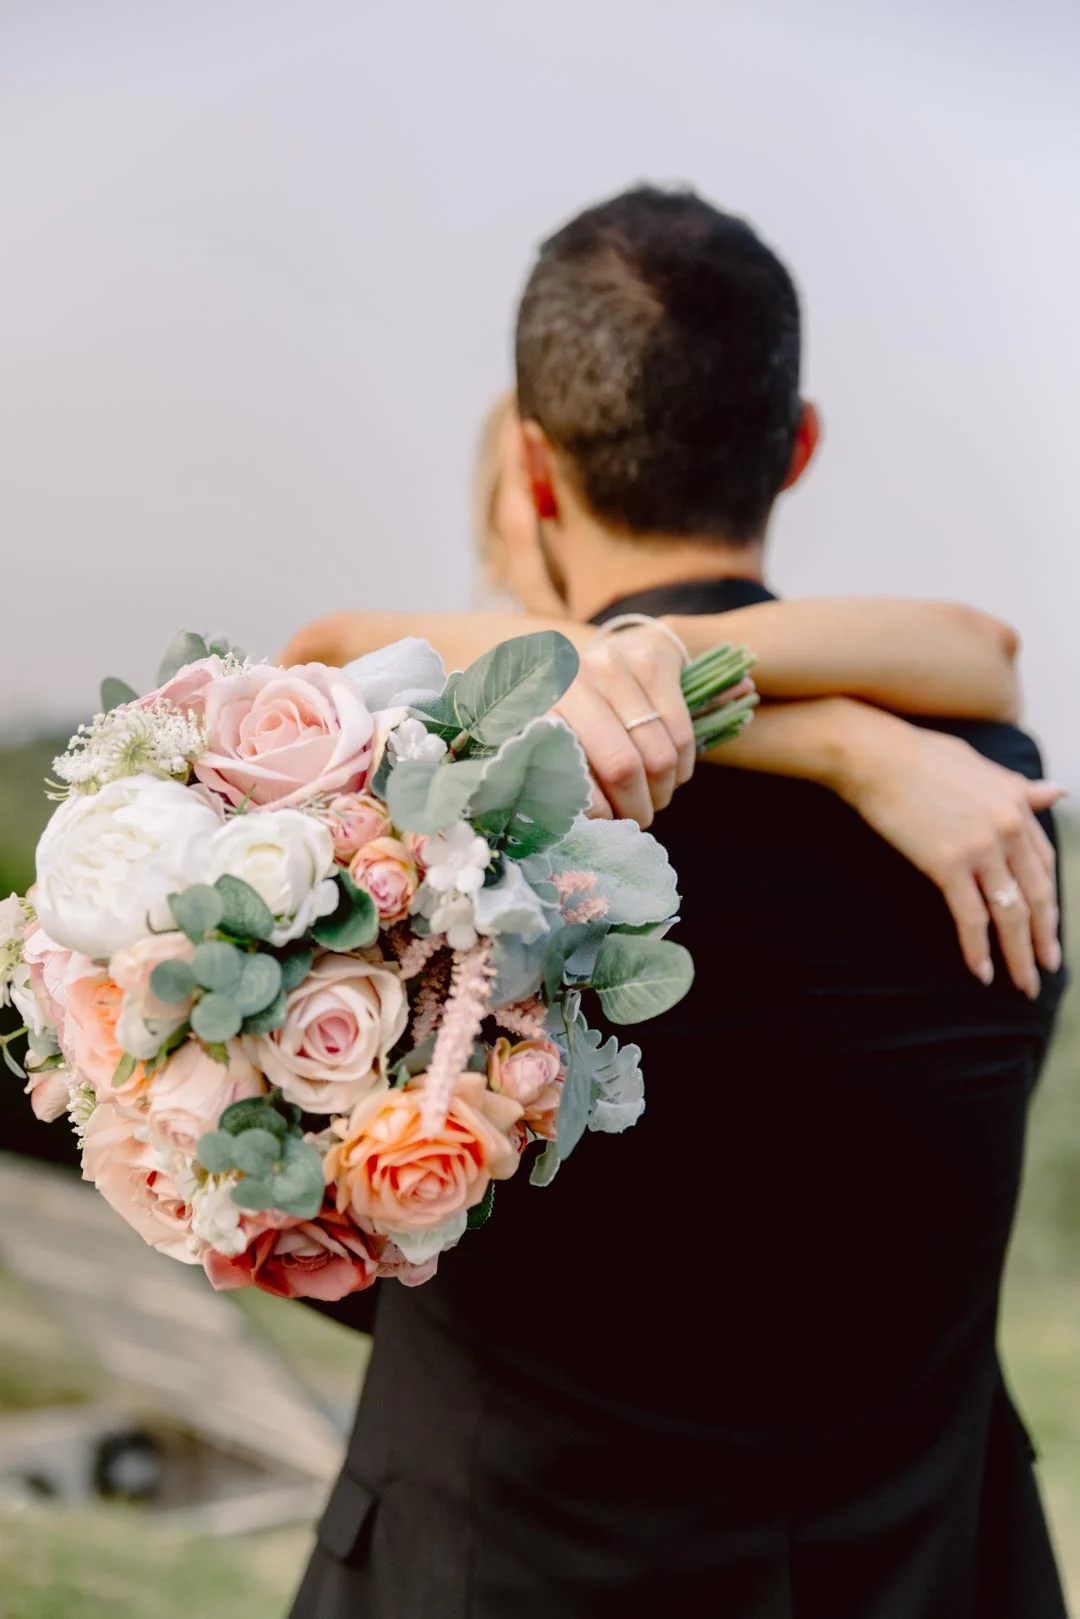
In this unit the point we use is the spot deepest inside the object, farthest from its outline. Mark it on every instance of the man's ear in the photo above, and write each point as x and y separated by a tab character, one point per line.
807	438
540	467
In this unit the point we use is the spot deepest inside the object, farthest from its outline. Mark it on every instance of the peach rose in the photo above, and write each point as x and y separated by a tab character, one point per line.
144	1021
188	687
530	1073
339	1025
383	868
282	736
354	819
389	1170
192	1091
90	1040
52	972
125	1169
301	1259
48	1090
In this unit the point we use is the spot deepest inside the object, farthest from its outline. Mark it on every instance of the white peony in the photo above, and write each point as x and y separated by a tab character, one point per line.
287	857
107	863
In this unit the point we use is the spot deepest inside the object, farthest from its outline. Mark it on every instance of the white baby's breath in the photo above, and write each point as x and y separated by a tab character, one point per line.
158	740
14	915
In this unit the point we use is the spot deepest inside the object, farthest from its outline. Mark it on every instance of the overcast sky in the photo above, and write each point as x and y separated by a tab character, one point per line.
259	261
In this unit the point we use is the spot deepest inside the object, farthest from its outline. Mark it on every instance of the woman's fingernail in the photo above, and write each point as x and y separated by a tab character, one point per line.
1034	987
1053	957
985	973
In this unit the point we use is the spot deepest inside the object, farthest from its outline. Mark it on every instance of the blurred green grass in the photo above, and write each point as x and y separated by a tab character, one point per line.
109	1564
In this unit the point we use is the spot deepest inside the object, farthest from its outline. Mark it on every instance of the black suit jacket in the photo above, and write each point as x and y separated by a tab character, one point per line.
739	1362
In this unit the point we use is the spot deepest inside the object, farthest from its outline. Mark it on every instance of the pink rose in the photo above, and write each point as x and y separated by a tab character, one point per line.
192	1091
125	1170
282	736
90	1042
188	687
530	1073
385	871
339	1025
387	1168
354	819
52	972
301	1259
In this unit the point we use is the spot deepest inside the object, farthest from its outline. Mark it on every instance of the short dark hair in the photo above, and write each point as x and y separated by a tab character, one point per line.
658	348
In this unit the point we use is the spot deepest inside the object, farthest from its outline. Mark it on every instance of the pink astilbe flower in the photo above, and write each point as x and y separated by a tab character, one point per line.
431	998
593	909
568	883
526	1018
413	953
465	1010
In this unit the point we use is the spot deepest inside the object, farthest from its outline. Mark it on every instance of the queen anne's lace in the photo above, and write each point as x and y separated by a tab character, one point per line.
159	740
14	915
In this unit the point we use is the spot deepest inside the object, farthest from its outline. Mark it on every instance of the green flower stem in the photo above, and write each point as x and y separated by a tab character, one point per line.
723	724
16	1034
459	742
714	672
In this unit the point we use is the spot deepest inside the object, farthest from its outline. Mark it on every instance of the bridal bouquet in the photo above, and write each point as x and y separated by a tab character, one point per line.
305	956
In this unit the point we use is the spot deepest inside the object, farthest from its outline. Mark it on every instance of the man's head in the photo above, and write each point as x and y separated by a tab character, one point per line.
658	371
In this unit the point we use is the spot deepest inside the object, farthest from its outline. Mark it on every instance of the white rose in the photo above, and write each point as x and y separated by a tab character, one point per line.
420	1246
287	857
108	861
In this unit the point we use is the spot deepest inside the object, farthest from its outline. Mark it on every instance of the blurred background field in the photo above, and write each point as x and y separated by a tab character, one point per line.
117	1562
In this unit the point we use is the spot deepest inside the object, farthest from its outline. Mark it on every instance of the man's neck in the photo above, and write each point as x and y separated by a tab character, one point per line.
600	567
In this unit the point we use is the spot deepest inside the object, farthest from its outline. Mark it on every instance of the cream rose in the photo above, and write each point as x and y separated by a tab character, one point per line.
286	856
385	870
339	1025
108	861
192	1091
390	1170
276	737
125	1168
530	1072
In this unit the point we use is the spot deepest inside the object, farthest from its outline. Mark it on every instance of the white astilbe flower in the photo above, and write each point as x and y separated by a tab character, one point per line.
159	740
412	740
457	861
14	915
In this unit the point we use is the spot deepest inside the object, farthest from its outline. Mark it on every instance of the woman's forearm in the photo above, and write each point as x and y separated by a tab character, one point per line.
833	741
919	657
913	656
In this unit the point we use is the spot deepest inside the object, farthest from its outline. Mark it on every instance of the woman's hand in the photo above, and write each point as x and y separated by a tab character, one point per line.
969	825
635	675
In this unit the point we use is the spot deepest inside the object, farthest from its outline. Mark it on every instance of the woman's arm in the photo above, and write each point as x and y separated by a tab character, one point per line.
964	821
914	657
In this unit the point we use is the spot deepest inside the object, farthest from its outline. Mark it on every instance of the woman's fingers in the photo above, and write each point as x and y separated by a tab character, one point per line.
965	901
1012	919
616	765
640	672
1039	889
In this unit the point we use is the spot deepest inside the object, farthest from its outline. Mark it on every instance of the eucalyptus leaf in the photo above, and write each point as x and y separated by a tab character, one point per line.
533	789
299	1183
215	1152
184	648
217	965
426	796
259	984
124	1069
569	938
172	981
11	1062
244	912
254	1193
353	924
439	714
270	1018
115	693
196	910
256	1151
252	1113
638	978
512	684
215	1019
295	967
576	1103
395	675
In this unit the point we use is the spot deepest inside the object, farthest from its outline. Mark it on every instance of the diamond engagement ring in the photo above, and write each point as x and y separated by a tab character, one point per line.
1007	897
642	719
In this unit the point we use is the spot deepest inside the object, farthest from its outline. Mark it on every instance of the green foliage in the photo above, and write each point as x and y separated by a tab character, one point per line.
259	984
576	1102
185	647
217	965
244	912
215	1019
295	966
355	921
124	1069
173	981
639	978
270	1018
514	683
427	796
533	789
480	1213
292	1181
545	1165
115	693
197	910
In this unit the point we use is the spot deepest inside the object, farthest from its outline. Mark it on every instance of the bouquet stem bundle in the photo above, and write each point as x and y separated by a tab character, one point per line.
704	681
